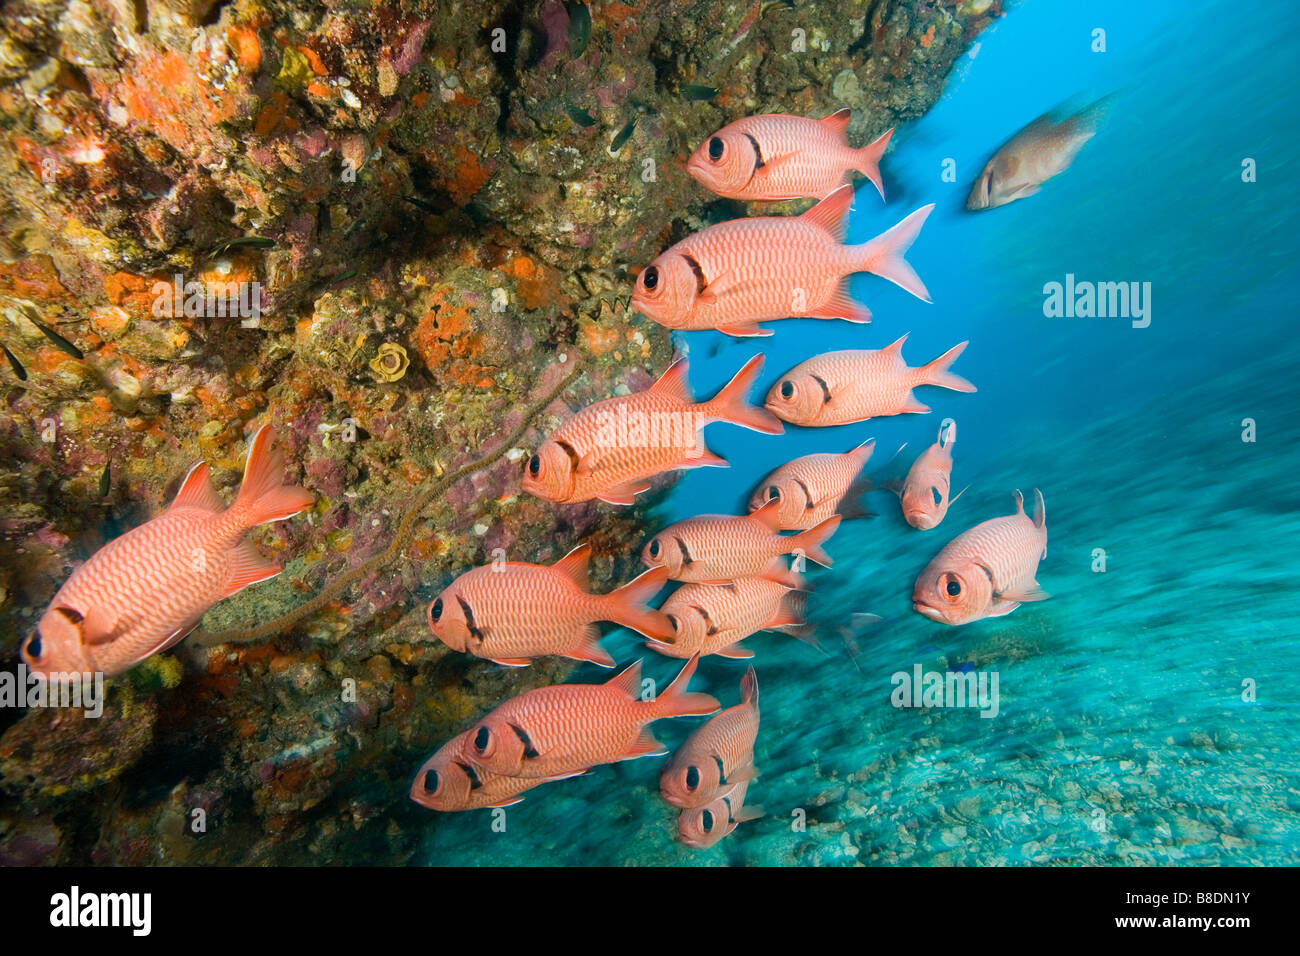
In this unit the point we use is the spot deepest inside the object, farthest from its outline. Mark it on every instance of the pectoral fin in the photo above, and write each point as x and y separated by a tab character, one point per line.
1032	592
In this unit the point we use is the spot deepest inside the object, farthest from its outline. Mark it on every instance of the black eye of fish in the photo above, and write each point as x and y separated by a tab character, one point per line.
34	645
773	493
787	389
436	611
715	149
938	498
535	465
692	777
431	781
651	277
954	587
706	819
655	548
481	739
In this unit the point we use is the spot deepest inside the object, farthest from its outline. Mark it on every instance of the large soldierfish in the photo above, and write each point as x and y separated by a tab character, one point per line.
736	274
141	593
779	156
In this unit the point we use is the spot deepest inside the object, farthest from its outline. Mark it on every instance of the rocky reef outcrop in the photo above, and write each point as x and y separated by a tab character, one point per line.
429	213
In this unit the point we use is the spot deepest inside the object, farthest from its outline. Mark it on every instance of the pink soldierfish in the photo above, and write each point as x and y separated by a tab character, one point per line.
557	730
986	571
717	755
702	827
780	156
611	448
838	388
715	549
143	592
715	618
447	782
736	274
814	487
924	492
510	612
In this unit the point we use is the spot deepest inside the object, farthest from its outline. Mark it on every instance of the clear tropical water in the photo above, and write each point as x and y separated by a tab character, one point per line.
1125	733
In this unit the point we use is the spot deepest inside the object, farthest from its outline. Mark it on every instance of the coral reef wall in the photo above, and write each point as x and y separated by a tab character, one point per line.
433	211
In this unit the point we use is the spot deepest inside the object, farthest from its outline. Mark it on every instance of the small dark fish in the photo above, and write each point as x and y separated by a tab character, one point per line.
351	273
965	667
62	344
14	364
622	136
698	94
420	204
580	116
106	480
579	28
250	242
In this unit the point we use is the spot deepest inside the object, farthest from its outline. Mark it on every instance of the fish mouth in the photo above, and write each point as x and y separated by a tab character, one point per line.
920	520
927	611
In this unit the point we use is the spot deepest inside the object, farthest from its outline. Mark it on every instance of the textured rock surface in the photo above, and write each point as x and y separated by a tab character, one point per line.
427	196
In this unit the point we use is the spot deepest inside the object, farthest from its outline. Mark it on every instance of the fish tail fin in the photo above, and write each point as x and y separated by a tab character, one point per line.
263	495
810	542
626	606
883	255
867	160
731	404
936	372
676	701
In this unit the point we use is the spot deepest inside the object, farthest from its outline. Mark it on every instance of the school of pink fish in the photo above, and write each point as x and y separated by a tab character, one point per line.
737	574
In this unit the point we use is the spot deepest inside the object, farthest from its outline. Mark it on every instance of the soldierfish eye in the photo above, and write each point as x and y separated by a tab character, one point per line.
706	820
650	277
482	739
787	389
655	548
938	498
953	587
715	149
33	647
692	777
431	781
435	612
773	493
535	465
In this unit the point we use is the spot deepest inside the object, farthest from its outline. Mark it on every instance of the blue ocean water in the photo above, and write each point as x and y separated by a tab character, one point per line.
1148	712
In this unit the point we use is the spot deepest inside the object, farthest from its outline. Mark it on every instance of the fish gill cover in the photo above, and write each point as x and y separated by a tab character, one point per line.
406	238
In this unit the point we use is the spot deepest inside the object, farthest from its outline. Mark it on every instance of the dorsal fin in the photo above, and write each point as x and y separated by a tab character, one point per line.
629	680
838	121
574	565
832	212
1020	501
196	491
674	383
897	347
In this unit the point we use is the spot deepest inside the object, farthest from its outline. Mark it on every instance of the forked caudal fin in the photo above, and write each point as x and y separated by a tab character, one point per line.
936	372
676	701
264	496
626	606
867	160
809	543
883	255
731	404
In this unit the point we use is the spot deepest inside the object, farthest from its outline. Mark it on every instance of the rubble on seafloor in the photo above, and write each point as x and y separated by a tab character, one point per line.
438	207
